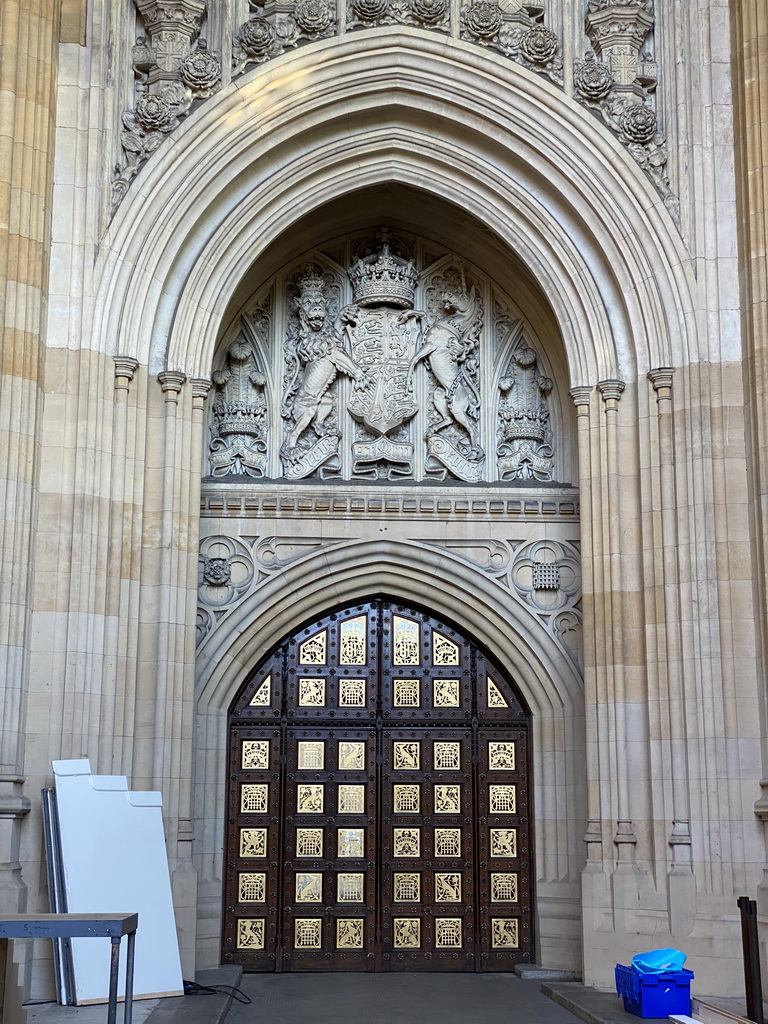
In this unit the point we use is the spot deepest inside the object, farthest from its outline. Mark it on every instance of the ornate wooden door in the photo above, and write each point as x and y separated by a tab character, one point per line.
378	803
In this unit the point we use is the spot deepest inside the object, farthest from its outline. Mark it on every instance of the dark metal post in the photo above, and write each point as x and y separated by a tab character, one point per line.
752	982
114	967
128	1011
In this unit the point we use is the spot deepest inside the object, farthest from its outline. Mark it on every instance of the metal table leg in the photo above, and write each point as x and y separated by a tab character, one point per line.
128	1012
114	967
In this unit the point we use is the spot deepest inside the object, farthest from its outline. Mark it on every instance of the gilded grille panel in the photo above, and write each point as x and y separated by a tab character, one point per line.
405	641
309	887
352	641
314	650
406	800
447	799
310	799
255	755
352	693
504	933
254	798
407	886
445	693
351	800
504	842
407	756
447	887
495	697
447	756
501	756
263	695
250	933
309	842
504	887
447	842
253	887
311	755
444	651
349	933
503	800
448	932
253	842
350	887
351	756
351	842
308	933
406	693
312	693
407	932
407	842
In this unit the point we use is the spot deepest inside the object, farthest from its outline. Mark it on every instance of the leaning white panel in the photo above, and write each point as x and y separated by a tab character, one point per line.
115	861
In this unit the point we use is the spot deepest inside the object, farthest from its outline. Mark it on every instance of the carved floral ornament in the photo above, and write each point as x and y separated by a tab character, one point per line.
376	389
174	67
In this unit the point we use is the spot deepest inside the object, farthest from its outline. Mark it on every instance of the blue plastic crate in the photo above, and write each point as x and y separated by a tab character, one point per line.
654	995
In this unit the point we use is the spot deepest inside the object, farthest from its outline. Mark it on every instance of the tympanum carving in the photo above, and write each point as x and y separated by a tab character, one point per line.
239	415
524	447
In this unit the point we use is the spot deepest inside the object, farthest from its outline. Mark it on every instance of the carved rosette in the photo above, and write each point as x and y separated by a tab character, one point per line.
517	32
276	26
225	572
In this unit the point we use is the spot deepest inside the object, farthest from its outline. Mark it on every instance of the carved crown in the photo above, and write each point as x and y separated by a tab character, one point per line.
383	279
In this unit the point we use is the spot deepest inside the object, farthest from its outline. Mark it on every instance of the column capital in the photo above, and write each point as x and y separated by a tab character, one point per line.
200	388
581	395
125	367
611	390
171	381
661	379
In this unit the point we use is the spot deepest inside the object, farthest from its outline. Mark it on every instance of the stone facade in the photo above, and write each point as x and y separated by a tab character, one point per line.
205	443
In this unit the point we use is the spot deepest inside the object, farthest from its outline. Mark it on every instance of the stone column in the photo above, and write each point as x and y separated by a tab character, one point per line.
749	31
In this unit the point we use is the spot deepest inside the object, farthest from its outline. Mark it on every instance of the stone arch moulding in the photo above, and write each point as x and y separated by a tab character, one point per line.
310	587
472	128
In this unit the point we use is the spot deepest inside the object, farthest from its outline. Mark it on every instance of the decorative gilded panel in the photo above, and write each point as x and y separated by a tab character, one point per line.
351	842
349	888
250	933
407	842
504	933
314	651
503	799
309	799
263	696
352	693
407	887
311	755
444	651
407	756
254	797
407	932
309	887
407	693
504	887
447	887
447	842
448	932
352	641
349	933
253	887
501	756
255	754
405	641
351	800
351	756
406	800
447	756
495	697
503	842
253	842
445	693
308	933
309	842
447	800
312	693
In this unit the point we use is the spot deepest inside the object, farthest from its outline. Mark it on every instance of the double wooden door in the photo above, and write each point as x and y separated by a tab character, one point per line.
378	803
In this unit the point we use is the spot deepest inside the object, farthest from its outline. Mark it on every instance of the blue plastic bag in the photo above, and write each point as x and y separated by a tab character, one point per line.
658	960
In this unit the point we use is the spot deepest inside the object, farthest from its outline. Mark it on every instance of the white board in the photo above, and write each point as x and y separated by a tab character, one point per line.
115	862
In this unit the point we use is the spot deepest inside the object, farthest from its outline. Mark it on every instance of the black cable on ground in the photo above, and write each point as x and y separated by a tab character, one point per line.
191	988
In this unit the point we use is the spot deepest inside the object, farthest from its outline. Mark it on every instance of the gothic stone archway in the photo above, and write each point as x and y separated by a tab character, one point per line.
378	806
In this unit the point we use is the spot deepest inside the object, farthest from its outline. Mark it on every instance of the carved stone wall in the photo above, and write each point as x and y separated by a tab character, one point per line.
393	363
